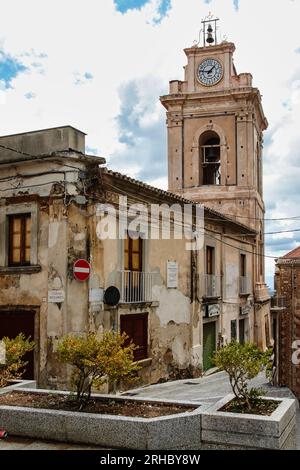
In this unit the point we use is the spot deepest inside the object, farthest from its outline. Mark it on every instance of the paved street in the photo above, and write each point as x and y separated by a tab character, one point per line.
206	390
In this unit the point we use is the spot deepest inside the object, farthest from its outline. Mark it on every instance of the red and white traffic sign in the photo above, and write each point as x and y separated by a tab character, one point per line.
81	270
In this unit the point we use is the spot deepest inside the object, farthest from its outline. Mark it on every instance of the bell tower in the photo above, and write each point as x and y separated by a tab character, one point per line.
215	125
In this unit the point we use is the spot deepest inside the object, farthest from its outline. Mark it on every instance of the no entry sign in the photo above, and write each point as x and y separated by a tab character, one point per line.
81	270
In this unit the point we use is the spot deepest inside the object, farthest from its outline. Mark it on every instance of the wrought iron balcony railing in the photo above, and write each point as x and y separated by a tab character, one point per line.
136	287
278	302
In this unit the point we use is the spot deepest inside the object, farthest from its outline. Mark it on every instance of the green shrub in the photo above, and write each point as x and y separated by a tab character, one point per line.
242	362
96	360
14	366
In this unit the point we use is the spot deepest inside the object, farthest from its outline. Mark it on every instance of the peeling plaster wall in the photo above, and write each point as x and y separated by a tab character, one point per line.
61	236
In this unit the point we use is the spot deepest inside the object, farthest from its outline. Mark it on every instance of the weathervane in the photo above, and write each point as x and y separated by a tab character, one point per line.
208	32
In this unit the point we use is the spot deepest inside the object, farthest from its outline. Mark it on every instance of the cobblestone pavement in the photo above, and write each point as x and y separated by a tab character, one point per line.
205	390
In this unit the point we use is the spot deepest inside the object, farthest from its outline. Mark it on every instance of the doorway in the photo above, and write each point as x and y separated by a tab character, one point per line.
242	330
209	344
14	322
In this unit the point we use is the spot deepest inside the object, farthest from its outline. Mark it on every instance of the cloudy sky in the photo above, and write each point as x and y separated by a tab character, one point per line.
100	65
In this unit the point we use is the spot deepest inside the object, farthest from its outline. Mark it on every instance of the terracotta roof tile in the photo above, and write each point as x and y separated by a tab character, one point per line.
293	254
175	197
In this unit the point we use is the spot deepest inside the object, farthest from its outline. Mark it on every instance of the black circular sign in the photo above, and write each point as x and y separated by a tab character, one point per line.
112	296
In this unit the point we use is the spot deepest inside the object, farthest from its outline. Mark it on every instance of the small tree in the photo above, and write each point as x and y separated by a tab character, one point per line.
96	361
242	362
13	365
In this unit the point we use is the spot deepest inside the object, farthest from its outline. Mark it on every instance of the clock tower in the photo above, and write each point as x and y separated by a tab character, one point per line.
215	125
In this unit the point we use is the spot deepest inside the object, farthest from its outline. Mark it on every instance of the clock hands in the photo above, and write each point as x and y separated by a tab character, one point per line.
209	72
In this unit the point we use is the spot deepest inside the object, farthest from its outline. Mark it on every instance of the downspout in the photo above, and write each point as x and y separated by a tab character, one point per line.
253	293
222	264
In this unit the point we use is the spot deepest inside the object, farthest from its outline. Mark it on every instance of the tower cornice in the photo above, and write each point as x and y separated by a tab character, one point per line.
223	47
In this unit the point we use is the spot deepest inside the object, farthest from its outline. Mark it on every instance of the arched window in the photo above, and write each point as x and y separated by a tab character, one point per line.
210	159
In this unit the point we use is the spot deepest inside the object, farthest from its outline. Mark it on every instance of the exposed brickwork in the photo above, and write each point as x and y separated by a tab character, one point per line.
288	285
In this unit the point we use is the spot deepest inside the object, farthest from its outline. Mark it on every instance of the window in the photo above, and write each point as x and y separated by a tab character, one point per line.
19	246
210	260
243	270
242	331
134	281
233	330
133	254
210	158
136	328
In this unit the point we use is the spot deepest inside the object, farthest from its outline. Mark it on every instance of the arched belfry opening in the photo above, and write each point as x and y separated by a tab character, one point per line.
210	159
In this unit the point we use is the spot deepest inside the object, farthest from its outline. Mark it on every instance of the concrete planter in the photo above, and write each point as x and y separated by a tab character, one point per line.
180	431
19	384
223	430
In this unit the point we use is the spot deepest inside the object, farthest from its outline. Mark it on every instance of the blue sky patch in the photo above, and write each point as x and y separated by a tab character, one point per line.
164	7
125	5
297	50
91	150
82	78
10	67
236	4
30	95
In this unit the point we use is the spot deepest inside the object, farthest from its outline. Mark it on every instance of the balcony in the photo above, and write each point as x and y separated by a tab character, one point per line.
136	287
245	285
278	302
262	294
211	286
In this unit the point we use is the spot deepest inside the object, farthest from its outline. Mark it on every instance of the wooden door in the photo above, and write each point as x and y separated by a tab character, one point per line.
136	328
209	344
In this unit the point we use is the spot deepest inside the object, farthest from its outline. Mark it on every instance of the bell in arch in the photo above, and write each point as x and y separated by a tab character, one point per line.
210	39
211	153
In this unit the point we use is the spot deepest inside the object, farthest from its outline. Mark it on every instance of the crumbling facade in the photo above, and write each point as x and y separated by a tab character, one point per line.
176	304
287	308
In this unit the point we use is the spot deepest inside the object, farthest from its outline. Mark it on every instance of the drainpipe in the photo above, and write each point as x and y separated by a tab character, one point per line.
293	310
254	267
222	263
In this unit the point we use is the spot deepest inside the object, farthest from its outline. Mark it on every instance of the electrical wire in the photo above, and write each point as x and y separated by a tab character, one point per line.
37	157
207	218
63	172
206	233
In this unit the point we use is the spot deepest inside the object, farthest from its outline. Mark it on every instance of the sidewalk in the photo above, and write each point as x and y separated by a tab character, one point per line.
208	390
205	390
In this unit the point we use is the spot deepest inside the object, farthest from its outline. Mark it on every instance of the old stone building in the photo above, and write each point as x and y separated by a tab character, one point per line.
52	195
286	312
215	125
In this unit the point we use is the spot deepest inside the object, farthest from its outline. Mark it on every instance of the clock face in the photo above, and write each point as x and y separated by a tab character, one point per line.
210	72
